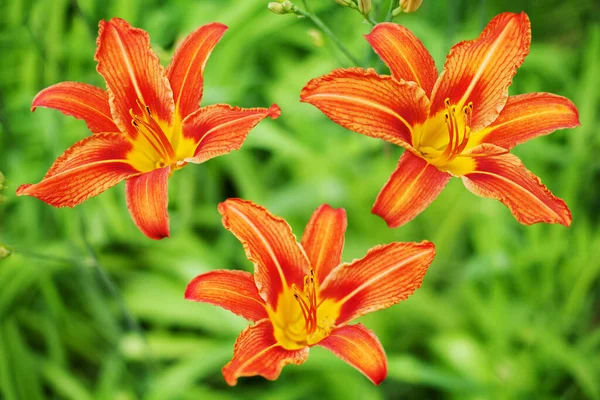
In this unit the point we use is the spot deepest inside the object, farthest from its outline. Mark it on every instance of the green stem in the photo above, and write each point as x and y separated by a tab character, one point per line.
111	286
87	262
109	283
47	257
388	16
321	25
371	20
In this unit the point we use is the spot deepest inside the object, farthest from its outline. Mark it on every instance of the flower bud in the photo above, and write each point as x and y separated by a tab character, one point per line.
4	251
276	8
409	6
364	6
288	6
347	3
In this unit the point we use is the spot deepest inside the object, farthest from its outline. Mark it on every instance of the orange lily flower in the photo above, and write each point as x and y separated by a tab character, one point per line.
301	296
462	123
146	125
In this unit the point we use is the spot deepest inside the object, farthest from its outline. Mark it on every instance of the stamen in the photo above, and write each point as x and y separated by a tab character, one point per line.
152	132
307	299
135	122
313	295
469	113
302	302
457	140
450	118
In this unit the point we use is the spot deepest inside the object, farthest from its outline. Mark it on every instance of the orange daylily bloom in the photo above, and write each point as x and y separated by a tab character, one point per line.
301	296
146	125
462	123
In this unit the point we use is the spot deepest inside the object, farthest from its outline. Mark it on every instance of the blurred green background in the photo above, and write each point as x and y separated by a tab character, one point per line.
506	311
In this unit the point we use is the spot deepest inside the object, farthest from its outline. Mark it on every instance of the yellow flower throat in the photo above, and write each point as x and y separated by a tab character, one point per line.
158	143
301	318
445	136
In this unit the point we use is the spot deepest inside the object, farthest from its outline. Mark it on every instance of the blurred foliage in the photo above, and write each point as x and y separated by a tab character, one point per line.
506	311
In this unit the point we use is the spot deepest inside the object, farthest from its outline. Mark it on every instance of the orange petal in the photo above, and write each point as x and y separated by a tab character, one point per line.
371	104
481	70
323	240
132	73
386	275
404	54
505	178
187	68
218	129
256	352
413	186
148	200
359	347
233	290
527	116
86	169
79	100
270	245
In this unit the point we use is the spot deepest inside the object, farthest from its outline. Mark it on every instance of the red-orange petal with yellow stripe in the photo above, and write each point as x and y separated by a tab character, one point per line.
527	116
505	178
387	275
256	352
218	129
132	73
481	70
187	67
233	290
148	200
79	100
359	347
404	54
323	240
86	169
279	261
368	103
413	186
